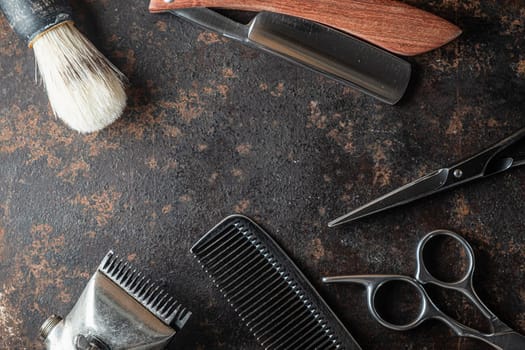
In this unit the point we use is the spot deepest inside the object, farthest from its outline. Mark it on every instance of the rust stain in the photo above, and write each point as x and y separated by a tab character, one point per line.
223	90
172	131
42	229
213	177
382	176
6	134
130	61
161	26
461	208
100	204
343	134
73	170
342	140
188	105
473	6
2	243
149	114
209	38
132	257
33	272
152	163
236	172
461	113
455	125
521	315
483	61
493	123
317	250
45	272
445	62
244	149
185	198
512	247
7	37
316	118
202	147
520	68
167	209
10	324
382	173
98	145
112	38
170	165
228	73
19	68
242	206
22	130
278	90
513	25
351	93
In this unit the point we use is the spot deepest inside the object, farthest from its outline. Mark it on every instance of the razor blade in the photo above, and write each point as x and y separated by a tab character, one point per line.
317	47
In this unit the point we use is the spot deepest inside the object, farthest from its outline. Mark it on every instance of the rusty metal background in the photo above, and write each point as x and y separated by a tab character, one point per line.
214	128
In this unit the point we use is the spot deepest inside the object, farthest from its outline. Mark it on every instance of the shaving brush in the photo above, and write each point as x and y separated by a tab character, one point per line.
85	89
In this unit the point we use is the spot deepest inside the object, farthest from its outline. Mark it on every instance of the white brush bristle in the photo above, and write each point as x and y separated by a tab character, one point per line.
85	90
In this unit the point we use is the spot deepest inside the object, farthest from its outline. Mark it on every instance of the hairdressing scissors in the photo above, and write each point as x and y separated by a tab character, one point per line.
501	336
502	156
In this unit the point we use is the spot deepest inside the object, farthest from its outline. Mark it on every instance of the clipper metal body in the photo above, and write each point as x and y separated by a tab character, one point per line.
118	309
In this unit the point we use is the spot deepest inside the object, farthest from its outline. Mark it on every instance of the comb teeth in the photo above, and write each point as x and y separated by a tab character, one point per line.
268	292
146	292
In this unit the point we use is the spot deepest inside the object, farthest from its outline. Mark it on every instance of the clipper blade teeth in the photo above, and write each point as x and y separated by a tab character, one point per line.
146	292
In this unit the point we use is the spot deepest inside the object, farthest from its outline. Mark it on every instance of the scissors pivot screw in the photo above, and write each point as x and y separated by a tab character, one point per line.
458	173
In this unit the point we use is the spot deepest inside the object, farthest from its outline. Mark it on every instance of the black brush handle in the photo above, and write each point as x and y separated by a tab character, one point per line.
29	18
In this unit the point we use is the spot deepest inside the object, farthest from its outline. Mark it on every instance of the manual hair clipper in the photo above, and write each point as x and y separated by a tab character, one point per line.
120	308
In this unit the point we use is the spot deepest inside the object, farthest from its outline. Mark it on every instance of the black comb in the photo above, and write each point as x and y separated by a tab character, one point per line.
267	290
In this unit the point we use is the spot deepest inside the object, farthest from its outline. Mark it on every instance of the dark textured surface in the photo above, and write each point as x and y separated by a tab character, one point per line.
214	128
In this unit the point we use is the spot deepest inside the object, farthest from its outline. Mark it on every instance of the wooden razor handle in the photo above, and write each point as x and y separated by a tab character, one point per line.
392	25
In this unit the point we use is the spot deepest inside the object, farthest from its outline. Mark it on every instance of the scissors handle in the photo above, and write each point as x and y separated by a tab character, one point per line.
374	283
464	285
506	339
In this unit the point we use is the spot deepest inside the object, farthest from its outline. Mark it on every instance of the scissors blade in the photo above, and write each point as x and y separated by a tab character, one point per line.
422	187
490	161
507	341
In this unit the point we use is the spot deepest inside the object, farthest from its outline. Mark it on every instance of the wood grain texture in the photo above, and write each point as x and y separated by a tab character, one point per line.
392	25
